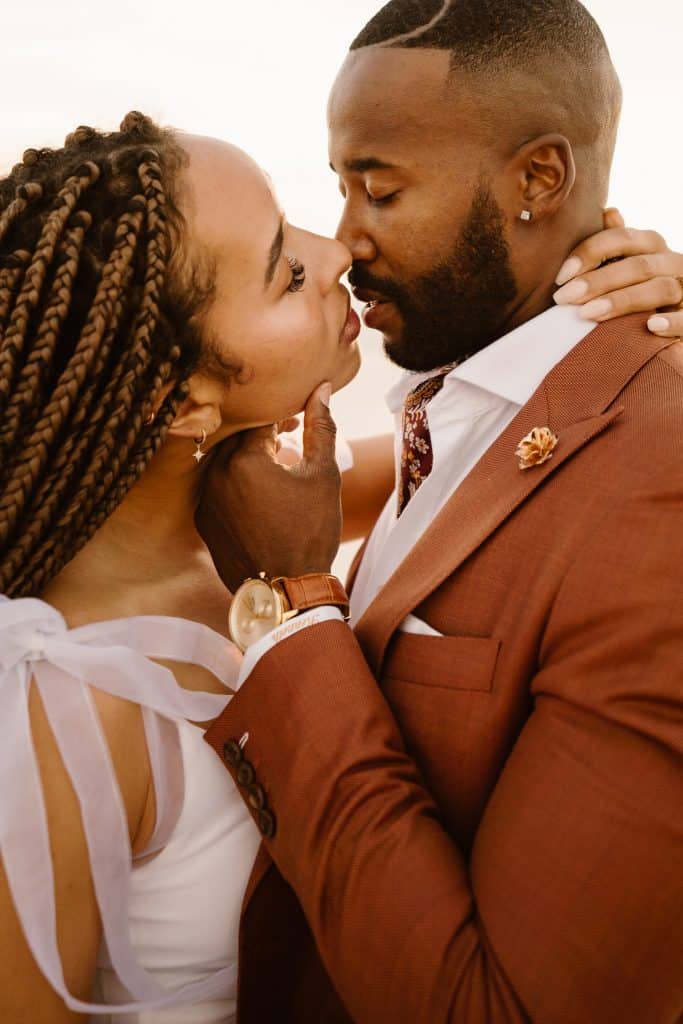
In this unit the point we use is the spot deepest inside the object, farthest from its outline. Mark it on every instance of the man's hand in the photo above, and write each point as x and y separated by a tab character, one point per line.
621	270
256	514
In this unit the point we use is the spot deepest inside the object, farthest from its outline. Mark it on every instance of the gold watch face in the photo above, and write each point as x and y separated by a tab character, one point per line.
256	609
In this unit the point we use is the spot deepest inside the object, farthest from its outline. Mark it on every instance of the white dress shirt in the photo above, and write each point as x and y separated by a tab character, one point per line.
479	398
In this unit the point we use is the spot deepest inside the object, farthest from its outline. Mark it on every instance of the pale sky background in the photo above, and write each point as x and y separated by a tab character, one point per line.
258	74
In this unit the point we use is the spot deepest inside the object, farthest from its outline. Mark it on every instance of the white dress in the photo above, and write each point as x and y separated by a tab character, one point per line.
170	923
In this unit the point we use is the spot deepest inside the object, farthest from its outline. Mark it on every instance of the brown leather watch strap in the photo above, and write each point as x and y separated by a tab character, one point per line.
313	590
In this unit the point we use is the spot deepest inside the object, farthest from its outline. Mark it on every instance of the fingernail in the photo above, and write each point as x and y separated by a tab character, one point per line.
596	309
572	292
569	270
325	394
659	323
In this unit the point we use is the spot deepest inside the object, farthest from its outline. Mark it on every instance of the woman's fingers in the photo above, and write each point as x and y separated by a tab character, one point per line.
636	299
611	218
667	325
663	271
621	270
609	245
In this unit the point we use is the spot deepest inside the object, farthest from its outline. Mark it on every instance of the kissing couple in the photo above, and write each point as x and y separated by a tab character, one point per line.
450	792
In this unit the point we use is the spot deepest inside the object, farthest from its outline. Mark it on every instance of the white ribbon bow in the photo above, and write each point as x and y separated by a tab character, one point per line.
36	643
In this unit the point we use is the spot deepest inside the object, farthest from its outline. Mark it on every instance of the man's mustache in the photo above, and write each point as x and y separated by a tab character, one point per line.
361	279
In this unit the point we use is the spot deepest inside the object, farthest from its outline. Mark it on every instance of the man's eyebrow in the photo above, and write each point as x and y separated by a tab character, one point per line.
275	253
369	163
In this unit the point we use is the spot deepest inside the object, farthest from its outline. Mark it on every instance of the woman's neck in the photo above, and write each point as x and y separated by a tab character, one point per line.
148	543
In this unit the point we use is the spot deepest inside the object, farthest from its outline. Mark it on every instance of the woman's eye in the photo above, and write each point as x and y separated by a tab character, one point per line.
381	200
298	274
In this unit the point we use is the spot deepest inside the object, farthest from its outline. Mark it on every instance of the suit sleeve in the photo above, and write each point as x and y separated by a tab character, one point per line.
570	908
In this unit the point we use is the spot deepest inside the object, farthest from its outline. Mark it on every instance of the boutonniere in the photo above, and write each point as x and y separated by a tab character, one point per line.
536	448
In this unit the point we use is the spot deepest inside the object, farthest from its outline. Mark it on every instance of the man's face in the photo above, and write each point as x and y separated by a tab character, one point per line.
421	218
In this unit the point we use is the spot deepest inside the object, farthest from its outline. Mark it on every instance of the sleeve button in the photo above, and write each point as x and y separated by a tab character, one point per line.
257	797
266	823
246	773
232	753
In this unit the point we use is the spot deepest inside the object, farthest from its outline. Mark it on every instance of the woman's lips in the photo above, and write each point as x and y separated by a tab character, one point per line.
351	328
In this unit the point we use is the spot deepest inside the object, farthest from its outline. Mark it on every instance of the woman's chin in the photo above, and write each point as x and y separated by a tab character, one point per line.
348	372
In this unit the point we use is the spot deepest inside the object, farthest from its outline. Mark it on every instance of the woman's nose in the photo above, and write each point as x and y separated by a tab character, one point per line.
337	262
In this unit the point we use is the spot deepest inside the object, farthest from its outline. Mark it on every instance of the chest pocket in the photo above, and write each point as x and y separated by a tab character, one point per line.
446	662
440	690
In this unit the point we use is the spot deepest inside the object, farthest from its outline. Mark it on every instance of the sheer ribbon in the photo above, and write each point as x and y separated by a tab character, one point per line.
114	657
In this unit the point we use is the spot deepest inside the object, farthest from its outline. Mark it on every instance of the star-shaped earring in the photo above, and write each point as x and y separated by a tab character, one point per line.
199	454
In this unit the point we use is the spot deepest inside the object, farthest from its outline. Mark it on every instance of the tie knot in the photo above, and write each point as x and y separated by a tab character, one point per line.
420	397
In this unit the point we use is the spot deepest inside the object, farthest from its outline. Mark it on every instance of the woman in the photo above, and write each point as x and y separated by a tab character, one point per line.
153	302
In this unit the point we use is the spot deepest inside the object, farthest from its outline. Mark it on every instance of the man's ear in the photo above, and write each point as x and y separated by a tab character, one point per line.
545	172
200	410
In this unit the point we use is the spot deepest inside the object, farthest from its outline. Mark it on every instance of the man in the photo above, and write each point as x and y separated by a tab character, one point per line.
492	833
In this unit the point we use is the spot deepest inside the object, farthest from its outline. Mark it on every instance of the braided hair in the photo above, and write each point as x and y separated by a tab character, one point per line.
96	318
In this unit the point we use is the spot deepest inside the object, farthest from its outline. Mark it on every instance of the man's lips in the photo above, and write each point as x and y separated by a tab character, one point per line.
366	295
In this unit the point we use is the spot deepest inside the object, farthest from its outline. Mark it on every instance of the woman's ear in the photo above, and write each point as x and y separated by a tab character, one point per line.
545	172
200	410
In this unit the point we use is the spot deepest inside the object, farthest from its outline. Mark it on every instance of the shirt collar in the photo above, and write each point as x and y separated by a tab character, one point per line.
513	366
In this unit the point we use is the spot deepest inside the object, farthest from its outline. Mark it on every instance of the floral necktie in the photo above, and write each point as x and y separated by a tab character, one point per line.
416	453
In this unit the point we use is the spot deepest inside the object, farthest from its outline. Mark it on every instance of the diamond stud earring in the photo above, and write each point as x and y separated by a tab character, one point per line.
199	454
525	215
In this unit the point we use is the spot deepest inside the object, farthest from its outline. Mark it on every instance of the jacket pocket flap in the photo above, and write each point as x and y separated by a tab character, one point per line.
453	662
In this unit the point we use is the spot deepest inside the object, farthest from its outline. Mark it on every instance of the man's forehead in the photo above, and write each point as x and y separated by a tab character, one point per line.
379	77
385	101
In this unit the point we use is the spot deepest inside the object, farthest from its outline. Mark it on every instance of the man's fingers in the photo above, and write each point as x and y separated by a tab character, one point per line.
609	245
667	325
663	269
288	426
263	439
320	430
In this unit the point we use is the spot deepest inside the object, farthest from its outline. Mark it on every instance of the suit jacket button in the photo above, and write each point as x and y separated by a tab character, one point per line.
232	753
257	797
246	774
266	822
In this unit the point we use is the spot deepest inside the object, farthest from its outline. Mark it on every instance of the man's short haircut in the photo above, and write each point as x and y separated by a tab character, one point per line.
489	34
544	63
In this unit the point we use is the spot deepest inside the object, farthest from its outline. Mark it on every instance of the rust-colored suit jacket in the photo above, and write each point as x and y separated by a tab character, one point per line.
486	826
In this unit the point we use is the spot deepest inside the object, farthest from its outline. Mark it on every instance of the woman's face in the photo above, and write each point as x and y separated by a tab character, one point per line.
279	310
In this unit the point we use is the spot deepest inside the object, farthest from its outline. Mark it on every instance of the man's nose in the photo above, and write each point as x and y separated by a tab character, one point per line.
357	240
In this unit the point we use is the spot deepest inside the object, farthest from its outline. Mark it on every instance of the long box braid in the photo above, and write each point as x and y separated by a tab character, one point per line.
97	316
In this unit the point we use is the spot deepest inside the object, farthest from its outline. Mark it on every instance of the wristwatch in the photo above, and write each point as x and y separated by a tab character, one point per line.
262	604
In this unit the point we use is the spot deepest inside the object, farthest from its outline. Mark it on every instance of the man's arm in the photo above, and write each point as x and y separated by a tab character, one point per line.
570	908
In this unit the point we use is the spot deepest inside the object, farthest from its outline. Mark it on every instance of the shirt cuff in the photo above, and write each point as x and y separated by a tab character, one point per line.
255	652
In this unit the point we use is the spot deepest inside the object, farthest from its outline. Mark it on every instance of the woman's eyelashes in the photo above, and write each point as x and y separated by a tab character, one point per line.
298	274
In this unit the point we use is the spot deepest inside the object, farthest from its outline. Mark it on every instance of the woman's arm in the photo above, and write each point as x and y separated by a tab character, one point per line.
367	485
25	994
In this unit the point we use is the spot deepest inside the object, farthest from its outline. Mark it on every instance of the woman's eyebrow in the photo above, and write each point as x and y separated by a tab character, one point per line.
275	253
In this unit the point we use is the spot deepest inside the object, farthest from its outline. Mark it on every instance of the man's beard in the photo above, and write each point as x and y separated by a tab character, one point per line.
460	306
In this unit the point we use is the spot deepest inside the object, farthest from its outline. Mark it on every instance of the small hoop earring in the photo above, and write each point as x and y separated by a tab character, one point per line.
525	215
199	454
150	420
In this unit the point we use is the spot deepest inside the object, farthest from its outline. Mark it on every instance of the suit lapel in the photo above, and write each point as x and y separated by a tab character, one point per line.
573	401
